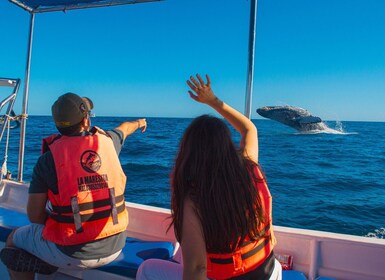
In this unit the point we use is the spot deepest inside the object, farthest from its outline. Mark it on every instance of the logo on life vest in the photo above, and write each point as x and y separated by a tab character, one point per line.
90	161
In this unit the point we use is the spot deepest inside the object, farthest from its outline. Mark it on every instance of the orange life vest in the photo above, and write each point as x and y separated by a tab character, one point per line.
89	204
48	141
251	254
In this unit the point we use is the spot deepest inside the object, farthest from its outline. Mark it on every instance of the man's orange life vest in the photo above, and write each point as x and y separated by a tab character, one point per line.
251	254
89	204
48	141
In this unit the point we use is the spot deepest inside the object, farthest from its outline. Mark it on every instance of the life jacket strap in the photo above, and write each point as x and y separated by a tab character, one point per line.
266	239
114	212
87	206
76	214
86	217
242	256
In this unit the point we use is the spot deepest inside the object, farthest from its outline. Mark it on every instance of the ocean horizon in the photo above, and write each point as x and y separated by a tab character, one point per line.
185	117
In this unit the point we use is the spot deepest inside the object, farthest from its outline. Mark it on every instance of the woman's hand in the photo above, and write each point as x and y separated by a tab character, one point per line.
202	91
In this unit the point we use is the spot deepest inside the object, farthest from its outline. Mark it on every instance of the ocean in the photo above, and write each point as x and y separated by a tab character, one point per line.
332	180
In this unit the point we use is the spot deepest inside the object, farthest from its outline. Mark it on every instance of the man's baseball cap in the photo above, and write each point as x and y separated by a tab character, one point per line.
70	109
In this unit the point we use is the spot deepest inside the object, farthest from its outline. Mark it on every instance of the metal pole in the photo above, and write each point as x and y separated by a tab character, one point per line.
250	67
25	101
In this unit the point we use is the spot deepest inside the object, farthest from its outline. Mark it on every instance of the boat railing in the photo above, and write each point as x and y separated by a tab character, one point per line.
9	115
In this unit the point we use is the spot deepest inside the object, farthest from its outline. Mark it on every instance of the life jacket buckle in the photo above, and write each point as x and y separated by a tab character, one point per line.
237	261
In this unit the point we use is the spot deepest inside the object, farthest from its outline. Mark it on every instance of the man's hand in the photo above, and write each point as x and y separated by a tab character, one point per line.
130	127
142	123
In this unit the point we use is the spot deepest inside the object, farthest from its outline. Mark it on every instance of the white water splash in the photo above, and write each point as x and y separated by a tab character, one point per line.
378	233
339	129
339	126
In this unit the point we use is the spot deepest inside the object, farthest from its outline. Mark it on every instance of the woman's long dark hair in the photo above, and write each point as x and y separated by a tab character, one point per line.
214	175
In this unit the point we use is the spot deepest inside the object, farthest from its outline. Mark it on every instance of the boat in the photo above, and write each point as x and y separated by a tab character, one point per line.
307	254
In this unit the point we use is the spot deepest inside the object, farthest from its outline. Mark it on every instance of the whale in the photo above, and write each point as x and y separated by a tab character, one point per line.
294	117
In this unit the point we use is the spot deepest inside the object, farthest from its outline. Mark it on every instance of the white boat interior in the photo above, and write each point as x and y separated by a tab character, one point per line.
315	254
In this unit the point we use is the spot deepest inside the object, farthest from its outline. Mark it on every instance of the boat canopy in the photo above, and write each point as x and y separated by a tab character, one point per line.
41	6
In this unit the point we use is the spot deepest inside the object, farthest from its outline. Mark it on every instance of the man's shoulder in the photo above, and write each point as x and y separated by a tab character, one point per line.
112	133
45	158
116	133
44	164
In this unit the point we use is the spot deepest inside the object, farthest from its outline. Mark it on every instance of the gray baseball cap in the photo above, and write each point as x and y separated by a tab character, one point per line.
70	109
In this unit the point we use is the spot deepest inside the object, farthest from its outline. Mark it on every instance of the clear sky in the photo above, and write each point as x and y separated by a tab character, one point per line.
327	56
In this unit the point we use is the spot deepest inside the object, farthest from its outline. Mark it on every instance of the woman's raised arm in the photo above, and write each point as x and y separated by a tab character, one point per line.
202	92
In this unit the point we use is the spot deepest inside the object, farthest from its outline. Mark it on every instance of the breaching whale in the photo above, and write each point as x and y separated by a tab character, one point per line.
294	117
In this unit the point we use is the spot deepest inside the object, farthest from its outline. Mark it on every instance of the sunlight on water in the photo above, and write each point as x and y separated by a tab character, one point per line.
378	233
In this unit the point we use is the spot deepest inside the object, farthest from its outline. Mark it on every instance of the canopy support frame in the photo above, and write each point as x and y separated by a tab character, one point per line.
251	52
25	100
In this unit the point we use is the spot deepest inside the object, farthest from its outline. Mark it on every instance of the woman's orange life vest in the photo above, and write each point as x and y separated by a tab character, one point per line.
89	204
251	254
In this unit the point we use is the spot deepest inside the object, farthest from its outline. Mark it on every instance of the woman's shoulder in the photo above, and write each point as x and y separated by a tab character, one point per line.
255	169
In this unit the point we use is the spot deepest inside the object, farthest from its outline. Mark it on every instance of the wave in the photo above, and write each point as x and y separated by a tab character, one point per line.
378	233
141	167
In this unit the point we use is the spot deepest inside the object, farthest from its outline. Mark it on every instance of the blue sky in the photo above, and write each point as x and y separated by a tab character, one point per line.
327	56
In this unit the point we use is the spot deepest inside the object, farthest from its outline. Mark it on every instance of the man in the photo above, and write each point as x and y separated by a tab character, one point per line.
76	196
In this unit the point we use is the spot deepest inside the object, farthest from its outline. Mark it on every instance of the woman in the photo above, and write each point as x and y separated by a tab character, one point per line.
221	205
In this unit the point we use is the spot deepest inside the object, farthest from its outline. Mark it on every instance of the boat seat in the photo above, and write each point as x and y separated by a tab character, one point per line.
10	220
293	275
133	254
